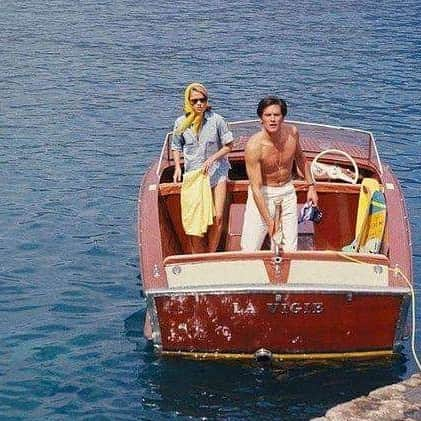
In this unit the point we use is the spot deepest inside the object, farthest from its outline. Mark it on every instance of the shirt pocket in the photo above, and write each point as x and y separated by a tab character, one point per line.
189	139
212	146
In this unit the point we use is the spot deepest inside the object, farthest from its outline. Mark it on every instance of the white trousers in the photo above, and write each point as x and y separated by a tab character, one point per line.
254	227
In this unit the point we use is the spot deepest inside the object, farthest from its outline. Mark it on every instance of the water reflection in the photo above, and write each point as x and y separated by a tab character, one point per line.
133	325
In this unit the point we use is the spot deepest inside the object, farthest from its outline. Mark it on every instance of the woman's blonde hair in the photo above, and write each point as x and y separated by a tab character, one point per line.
191	118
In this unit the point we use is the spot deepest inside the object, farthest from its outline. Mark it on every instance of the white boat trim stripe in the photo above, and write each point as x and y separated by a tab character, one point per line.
270	288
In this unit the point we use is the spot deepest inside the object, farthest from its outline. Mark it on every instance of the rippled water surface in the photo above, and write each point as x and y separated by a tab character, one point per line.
88	90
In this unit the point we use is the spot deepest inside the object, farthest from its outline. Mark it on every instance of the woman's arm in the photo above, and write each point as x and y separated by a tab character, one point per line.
177	170
217	155
225	140
176	147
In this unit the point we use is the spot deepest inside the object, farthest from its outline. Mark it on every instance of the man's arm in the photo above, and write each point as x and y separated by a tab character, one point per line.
254	172
304	167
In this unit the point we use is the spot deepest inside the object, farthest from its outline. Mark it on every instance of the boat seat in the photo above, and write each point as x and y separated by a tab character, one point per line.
235	227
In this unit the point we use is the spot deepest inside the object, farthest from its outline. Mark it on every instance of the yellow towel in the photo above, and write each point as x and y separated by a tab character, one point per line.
197	208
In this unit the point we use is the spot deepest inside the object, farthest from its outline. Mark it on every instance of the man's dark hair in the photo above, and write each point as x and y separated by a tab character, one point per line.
271	100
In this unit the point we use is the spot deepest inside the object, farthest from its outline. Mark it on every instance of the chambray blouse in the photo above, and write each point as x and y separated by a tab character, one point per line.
197	149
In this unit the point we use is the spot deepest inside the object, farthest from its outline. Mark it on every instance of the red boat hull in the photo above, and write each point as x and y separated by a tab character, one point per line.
282	323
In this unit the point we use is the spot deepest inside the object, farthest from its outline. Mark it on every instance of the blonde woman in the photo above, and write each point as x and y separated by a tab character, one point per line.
205	140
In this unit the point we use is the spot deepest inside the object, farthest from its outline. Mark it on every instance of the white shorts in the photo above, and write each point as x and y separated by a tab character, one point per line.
254	227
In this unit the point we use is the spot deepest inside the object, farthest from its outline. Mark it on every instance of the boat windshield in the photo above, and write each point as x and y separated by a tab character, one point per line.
314	138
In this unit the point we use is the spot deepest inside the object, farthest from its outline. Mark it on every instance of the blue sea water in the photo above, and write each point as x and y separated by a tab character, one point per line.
88	91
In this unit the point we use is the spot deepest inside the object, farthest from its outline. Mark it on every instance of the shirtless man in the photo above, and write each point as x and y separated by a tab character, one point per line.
269	156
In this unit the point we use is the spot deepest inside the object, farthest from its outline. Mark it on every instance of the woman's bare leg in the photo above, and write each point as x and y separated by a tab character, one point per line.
198	244
215	230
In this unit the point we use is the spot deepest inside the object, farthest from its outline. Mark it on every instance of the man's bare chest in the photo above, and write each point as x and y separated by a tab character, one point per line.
277	156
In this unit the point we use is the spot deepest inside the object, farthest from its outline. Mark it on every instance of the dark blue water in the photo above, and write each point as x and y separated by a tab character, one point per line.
88	91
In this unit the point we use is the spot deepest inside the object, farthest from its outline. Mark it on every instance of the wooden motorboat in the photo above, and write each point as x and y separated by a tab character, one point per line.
319	302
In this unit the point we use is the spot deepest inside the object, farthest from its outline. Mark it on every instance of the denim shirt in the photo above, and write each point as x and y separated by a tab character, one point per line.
197	149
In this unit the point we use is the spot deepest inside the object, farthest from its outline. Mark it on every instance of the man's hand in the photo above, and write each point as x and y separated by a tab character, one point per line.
271	227
312	195
177	174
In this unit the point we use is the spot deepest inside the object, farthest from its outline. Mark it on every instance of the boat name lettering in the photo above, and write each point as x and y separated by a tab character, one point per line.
280	307
246	309
296	308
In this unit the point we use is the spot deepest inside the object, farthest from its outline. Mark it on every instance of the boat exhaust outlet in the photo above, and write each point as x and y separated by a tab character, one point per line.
263	355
